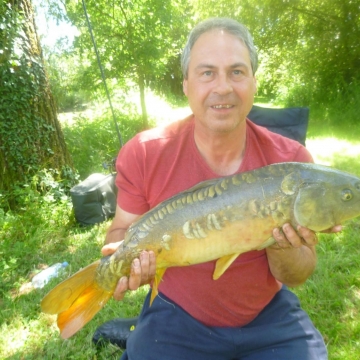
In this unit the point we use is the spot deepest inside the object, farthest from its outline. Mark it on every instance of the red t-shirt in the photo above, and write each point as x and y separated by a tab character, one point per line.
159	163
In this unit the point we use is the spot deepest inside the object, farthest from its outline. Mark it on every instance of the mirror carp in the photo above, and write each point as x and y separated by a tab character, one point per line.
216	219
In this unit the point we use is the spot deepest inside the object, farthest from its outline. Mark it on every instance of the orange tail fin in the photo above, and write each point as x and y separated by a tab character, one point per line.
62	296
76	300
82	310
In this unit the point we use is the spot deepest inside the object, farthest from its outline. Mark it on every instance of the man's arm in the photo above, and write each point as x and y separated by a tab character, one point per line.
143	269
293	258
119	225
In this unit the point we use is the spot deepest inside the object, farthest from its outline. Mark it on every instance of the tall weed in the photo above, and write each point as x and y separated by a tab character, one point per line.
93	142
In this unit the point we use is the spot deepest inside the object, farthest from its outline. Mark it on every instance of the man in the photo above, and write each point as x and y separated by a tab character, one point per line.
248	313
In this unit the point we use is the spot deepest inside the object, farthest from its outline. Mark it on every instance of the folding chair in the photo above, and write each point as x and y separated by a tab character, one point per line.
289	122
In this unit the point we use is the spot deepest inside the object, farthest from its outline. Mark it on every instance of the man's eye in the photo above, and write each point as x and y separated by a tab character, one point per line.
208	73
237	72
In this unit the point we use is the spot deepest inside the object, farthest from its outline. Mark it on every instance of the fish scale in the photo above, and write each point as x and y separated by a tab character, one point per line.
218	220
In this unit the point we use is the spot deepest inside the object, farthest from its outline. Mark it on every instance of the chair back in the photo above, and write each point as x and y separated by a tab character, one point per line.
289	122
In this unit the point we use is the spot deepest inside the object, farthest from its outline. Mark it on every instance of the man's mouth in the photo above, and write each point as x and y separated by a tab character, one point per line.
222	106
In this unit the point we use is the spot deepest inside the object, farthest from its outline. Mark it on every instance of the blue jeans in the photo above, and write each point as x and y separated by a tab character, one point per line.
281	331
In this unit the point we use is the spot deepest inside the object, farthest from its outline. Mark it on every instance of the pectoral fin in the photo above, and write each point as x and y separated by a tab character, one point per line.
223	264
270	241
158	276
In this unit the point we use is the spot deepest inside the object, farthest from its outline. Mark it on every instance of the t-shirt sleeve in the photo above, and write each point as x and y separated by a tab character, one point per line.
130	178
303	155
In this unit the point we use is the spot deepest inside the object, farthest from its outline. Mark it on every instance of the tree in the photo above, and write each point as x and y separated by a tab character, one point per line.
137	40
30	134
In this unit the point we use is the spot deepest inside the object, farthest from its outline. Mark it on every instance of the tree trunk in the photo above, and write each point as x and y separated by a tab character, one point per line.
31	138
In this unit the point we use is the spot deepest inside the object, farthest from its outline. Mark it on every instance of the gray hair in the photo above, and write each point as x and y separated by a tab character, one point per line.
230	26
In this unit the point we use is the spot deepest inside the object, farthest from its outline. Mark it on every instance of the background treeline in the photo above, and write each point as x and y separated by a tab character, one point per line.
308	50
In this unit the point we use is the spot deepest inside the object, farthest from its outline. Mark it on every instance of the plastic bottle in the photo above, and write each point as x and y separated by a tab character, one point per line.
43	277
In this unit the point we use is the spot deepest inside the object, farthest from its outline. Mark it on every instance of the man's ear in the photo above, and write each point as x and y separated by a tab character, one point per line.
185	84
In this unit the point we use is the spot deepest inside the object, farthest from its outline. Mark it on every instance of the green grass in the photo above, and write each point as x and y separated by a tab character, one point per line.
29	241
332	295
43	232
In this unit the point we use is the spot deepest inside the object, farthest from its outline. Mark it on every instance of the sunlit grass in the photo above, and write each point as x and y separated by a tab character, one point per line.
332	151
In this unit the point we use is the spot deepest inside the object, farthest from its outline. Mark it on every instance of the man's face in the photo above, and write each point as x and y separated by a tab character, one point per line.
220	86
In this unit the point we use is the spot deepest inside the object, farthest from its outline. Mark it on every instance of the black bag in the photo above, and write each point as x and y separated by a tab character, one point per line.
94	199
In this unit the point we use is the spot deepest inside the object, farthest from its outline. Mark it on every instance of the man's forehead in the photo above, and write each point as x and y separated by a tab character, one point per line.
213	35
213	44
218	31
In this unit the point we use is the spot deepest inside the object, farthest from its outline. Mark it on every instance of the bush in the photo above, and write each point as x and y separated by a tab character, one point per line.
93	143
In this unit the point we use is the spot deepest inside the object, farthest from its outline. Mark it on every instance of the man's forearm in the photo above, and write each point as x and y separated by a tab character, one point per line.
114	235
292	266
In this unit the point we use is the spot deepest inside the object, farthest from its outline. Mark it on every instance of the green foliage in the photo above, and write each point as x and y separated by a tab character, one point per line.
45	186
97	139
142	40
21	127
139	44
18	91
66	73
339	117
30	138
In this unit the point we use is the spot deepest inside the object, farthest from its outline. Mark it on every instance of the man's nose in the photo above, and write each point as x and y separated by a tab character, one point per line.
223	85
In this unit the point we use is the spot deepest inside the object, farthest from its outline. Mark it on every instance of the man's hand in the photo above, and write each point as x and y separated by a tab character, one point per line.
292	259
142	270
288	237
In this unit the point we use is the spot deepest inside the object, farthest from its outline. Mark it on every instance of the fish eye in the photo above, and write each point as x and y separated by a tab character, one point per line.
346	195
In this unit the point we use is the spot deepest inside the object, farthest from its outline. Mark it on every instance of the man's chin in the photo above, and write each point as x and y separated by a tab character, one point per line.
224	126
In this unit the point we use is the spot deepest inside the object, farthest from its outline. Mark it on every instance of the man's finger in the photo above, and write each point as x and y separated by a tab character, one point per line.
121	288
334	229
145	266
135	275
280	239
309	237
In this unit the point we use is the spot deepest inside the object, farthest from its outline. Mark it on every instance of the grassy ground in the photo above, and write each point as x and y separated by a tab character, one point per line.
45	232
